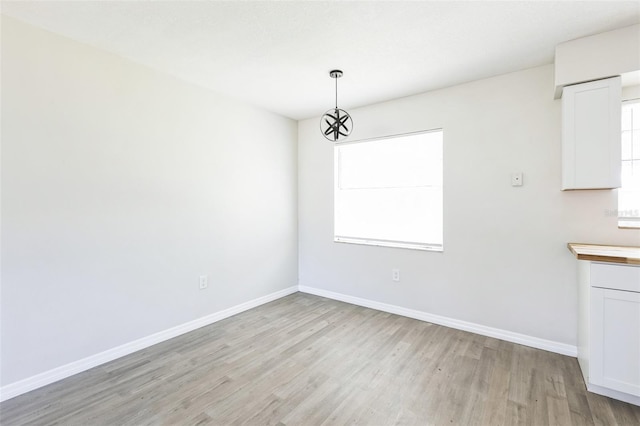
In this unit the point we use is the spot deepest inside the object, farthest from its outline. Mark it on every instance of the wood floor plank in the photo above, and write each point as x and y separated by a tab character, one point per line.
307	360
601	409
495	405
558	411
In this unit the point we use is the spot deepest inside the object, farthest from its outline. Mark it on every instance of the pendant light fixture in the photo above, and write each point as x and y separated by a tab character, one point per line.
336	123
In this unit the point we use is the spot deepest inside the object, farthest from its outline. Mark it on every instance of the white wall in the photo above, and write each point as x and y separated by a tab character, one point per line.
505	262
120	186
618	52
631	92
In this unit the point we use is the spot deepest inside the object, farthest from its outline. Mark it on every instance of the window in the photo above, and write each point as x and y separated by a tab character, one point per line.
629	193
388	191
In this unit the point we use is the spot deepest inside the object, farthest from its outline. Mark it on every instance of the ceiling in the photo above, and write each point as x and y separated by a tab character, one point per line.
277	55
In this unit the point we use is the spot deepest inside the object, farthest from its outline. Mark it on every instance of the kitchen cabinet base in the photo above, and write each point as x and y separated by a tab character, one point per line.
621	396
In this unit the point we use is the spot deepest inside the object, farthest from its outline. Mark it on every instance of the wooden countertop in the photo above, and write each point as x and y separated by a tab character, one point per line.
612	254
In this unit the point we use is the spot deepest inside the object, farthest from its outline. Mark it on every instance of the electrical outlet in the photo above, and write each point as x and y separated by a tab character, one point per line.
395	274
204	282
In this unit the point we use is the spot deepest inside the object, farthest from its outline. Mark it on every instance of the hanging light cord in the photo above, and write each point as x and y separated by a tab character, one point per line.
336	79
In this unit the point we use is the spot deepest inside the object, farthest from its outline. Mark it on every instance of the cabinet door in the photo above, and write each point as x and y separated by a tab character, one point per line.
591	141
615	340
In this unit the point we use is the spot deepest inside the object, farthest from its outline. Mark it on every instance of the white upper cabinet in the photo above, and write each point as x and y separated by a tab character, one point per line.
591	135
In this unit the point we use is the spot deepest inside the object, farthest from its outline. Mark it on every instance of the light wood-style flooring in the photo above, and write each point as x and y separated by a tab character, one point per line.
307	360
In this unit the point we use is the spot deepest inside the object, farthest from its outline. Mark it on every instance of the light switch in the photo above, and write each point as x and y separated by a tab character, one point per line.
516	179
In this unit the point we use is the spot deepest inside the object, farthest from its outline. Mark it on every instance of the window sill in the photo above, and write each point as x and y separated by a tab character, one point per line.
628	223
391	244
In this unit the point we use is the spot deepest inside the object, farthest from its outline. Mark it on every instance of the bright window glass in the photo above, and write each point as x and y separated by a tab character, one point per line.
388	191
629	193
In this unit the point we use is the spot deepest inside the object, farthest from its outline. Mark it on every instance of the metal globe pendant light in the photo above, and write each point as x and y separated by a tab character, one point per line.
336	123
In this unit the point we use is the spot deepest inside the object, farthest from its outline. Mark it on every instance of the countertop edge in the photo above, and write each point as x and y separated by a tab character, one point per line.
603	253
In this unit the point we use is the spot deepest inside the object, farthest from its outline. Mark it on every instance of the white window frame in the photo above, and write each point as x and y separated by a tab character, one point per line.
414	245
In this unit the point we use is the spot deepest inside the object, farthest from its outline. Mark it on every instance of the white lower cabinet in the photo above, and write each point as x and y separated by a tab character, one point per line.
609	329
615	355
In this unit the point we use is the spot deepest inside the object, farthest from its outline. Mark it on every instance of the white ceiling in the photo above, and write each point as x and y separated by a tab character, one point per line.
277	55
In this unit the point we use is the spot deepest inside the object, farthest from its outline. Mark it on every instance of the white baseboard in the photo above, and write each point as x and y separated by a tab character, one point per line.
509	336
18	388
